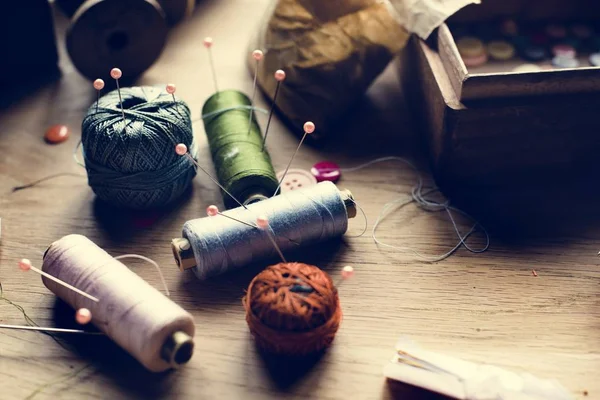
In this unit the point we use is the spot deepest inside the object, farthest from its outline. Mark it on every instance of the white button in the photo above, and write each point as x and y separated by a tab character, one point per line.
296	179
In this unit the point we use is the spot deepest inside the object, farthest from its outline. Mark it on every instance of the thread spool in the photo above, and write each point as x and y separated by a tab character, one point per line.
107	33
242	167
153	329
175	10
214	245
131	163
292	309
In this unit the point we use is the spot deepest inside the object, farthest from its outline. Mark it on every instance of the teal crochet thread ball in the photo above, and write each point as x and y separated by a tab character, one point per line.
132	163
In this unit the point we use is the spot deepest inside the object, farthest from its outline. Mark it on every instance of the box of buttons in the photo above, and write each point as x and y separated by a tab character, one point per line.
508	92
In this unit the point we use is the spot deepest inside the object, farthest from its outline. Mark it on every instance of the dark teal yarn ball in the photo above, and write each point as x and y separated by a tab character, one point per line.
133	163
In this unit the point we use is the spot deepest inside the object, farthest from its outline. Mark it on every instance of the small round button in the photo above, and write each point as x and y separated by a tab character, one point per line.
565	62
326	171
564	50
501	50
475	61
295	179
57	134
595	59
534	53
470	47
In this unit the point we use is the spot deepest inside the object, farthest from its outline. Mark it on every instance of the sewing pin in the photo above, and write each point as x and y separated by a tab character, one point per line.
279	77
116	74
171	88
213	210
208	42
43	329
347	273
257	55
263	223
83	316
309	128
25	265
98	85
182	150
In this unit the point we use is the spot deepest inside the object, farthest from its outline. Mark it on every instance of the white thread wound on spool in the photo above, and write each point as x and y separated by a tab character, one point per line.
135	315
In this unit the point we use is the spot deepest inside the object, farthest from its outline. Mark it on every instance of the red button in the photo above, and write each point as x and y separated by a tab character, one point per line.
57	134
326	171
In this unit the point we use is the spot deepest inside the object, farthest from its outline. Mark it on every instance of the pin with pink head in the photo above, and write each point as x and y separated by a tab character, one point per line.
309	127
208	43
25	264
116	74
279	76
257	55
347	272
83	316
171	89
262	222
98	85
212	210
181	149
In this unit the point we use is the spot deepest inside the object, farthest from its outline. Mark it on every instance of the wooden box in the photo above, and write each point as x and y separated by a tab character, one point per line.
504	128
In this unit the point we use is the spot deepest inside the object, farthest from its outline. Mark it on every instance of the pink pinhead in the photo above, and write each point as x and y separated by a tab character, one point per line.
258	55
83	316
279	75
25	264
171	88
181	149
347	272
262	222
208	42
212	210
309	127
98	84
116	73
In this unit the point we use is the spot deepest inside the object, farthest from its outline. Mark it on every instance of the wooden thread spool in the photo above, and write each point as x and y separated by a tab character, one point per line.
103	34
175	10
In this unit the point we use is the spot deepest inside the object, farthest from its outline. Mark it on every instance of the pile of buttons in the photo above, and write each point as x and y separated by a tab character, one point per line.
563	44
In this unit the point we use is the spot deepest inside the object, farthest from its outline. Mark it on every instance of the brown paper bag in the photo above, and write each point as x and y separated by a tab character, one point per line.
332	50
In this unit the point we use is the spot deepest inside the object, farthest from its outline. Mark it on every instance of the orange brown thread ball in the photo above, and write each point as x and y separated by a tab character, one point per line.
293	309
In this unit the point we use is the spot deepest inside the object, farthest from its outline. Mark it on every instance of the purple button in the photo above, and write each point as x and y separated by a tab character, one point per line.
326	171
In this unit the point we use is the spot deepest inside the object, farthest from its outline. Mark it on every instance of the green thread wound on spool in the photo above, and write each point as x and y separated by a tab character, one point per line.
242	167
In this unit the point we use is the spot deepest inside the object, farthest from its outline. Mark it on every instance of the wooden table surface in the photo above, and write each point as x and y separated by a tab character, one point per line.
485	308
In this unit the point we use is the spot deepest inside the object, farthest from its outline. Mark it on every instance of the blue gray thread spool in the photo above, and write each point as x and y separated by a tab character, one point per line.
133	164
215	245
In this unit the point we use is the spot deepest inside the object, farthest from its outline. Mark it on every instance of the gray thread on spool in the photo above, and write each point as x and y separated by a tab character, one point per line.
299	217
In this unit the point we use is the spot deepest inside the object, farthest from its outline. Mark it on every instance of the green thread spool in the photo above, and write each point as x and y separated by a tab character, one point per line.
243	168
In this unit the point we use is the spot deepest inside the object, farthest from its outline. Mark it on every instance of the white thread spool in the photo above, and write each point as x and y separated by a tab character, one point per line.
140	319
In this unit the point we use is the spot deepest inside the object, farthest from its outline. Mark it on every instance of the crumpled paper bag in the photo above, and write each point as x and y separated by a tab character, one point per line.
332	50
